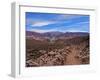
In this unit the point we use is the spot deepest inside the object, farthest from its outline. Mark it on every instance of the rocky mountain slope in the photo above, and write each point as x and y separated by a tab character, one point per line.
61	51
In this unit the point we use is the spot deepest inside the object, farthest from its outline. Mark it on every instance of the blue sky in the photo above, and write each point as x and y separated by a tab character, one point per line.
46	22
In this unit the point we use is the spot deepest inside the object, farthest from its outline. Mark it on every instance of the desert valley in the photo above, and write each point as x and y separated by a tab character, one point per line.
57	48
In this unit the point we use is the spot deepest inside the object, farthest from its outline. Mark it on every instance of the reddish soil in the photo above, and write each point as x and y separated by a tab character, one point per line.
71	58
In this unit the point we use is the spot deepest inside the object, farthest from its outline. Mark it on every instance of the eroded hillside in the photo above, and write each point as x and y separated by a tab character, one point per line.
72	51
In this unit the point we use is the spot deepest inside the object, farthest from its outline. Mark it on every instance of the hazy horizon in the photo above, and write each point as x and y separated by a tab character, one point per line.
59	32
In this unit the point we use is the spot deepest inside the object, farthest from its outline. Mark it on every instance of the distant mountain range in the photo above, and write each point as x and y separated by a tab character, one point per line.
47	35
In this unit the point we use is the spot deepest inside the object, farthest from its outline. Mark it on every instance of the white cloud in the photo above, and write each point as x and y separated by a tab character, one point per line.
39	23
42	23
42	31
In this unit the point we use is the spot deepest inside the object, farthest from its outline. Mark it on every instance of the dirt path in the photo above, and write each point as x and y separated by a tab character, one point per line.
71	60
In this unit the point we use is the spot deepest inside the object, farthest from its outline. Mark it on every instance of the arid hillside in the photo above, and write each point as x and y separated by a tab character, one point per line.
57	49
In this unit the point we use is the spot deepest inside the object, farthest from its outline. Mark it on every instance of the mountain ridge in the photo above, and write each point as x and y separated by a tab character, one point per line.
55	34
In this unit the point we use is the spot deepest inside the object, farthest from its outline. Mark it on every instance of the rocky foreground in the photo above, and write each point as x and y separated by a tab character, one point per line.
70	55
